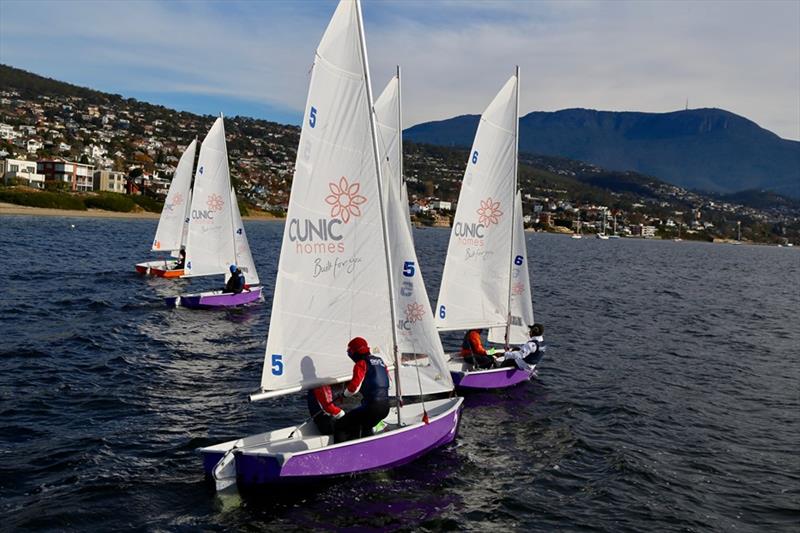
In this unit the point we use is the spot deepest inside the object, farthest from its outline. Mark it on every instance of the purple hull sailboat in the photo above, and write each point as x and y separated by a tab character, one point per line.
327	293
485	283
216	238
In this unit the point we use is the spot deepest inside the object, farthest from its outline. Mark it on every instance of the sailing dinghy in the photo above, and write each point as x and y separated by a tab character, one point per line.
478	278
216	238
174	219
335	281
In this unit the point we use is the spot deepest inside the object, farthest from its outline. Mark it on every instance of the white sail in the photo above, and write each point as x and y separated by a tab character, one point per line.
244	259
474	288
169	234
209	243
185	225
521	303
423	368
331	283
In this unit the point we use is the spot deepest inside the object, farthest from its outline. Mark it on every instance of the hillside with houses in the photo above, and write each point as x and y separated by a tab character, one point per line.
60	137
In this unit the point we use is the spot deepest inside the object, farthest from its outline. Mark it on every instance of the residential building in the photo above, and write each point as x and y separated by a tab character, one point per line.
7	132
34	146
77	176
109	181
643	231
21	172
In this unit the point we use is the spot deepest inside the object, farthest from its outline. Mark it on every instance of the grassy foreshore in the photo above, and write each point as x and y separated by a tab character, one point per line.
13	209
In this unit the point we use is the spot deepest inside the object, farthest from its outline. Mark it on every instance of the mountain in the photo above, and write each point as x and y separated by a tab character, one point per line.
702	149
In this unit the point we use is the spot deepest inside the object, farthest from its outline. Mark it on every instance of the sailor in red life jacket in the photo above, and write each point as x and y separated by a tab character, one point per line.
323	410
371	379
473	352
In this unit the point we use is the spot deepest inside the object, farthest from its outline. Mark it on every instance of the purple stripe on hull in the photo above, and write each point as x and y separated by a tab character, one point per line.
393	450
489	379
214	300
390	450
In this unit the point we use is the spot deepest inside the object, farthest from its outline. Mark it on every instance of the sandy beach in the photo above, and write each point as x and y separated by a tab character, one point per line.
13	209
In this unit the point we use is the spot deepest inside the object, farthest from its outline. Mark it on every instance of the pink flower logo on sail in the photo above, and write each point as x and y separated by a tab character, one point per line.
414	312
489	212
345	200
517	289
215	202
178	200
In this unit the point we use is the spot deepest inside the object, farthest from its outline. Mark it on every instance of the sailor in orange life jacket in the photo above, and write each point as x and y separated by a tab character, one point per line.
323	410
473	352
371	379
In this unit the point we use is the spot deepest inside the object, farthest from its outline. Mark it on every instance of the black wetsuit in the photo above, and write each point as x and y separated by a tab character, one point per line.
236	283
374	388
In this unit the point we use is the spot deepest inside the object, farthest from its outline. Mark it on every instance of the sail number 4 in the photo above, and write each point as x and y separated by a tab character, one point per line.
277	364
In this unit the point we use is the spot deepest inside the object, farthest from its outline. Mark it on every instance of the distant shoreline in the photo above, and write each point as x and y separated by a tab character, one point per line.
14	209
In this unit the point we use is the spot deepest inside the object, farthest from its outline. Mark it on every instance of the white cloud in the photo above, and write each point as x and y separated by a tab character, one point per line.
639	56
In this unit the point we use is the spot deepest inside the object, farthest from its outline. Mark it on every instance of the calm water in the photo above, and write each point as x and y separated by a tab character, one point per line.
670	399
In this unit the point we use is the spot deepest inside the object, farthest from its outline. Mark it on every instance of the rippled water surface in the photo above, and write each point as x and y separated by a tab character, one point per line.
669	400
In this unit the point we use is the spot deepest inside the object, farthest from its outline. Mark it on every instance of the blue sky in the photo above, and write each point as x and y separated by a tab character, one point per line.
252	57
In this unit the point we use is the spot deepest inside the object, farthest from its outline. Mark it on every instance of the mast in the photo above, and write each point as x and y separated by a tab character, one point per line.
513	207
400	125
384	228
233	196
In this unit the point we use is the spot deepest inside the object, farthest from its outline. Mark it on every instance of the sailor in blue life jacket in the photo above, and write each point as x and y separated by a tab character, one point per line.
323	410
529	354
371	379
235	283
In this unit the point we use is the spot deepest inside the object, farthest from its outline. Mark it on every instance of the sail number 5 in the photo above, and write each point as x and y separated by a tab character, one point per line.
277	364
408	269
312	117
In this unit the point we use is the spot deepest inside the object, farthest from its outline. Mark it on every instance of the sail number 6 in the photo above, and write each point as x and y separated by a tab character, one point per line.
475	157
442	312
277	364
518	260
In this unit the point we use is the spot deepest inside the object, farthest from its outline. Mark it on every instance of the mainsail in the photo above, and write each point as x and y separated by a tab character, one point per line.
422	360
331	282
521	303
169	234
475	283
209	243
